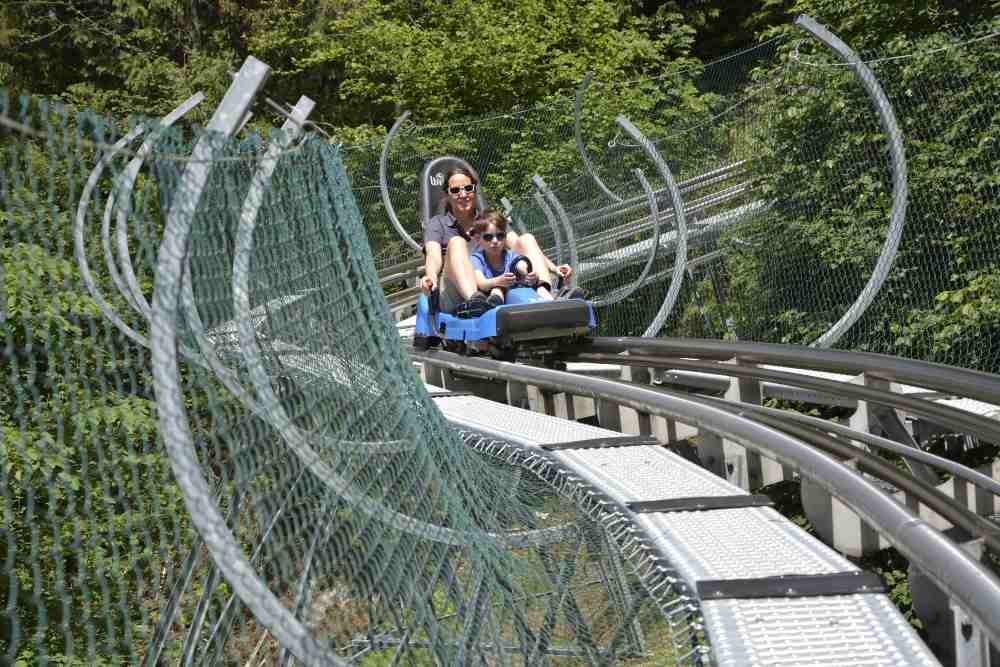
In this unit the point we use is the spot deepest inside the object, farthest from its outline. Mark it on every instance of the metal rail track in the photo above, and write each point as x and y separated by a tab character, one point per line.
814	453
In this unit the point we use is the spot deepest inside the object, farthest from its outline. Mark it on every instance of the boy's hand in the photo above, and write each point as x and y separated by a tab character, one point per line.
504	280
564	270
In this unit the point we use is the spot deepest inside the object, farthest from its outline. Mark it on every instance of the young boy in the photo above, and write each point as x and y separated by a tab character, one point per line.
496	266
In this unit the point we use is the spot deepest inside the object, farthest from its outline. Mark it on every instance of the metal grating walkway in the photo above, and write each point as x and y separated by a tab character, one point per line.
719	544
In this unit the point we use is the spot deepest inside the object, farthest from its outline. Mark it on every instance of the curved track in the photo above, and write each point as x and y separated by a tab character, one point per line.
816	450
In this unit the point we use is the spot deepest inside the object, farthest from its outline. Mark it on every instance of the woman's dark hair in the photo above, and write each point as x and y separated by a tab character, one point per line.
491	216
455	171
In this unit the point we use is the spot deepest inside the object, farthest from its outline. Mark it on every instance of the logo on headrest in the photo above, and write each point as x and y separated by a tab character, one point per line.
437	179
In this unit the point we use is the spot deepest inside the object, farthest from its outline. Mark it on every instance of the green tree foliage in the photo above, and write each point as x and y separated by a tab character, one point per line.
824	146
364	62
446	60
92	521
121	57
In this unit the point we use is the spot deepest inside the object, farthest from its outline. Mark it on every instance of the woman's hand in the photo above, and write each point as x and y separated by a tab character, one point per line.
564	270
428	283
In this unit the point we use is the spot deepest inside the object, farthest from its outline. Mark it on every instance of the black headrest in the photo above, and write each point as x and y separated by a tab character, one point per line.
432	194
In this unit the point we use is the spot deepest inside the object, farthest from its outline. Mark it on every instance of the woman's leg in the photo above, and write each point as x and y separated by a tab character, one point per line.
458	268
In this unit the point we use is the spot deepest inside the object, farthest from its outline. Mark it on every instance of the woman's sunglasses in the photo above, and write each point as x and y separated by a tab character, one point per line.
489	236
455	189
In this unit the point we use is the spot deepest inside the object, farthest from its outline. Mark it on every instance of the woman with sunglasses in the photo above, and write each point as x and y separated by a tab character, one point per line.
497	266
446	245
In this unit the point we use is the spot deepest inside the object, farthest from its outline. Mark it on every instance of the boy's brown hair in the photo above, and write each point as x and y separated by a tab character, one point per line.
491	216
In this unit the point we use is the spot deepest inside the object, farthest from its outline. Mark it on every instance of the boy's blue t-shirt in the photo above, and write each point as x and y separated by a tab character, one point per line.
480	263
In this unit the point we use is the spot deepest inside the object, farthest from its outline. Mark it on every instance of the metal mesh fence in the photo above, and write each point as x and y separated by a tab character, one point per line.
786	175
288	490
306	498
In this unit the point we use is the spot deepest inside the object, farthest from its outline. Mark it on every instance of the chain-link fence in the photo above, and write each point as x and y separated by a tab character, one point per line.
333	504
278	484
788	184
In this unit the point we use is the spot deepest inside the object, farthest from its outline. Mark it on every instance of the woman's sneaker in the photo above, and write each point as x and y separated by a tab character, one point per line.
475	306
494	300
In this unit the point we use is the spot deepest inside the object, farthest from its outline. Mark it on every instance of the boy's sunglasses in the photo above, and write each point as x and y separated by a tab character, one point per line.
489	236
455	189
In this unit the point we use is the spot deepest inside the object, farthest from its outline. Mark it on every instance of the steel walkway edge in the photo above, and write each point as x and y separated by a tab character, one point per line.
724	544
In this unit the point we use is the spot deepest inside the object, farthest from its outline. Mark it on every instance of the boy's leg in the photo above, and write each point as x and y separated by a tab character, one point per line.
527	246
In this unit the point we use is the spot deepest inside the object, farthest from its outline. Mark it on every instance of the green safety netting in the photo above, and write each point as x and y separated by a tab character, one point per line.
281	487
335	509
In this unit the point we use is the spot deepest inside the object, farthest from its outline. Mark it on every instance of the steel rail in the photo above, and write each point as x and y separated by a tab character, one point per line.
597	237
926	494
960	420
586	221
590	275
402	275
948	565
395	271
581	146
383	184
945	379
974	477
900	191
686	186
663	198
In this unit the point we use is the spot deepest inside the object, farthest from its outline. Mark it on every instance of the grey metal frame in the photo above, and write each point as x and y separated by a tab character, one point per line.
680	258
79	244
508	208
222	545
654	214
383	184
580	146
567	226
550	218
275	414
897	218
268	405
123	192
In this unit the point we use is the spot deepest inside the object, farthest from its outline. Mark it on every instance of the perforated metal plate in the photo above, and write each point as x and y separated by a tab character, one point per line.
843	630
512	423
759	542
647	473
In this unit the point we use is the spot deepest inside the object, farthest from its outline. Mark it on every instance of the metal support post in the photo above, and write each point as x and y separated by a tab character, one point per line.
745	468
